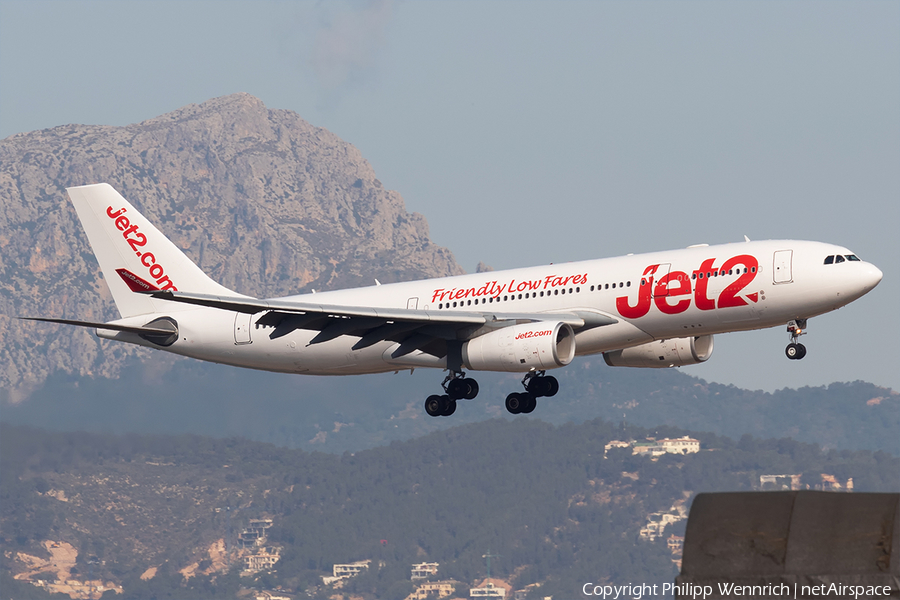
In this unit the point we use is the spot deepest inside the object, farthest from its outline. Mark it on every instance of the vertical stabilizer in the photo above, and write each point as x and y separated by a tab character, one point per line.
128	248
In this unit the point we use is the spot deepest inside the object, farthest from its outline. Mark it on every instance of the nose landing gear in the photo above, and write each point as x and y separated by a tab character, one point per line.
536	385
457	387
796	350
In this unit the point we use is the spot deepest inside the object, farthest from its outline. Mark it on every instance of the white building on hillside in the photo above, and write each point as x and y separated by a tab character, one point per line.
682	445
424	570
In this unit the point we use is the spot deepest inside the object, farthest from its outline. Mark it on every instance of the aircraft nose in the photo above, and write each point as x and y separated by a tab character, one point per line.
873	275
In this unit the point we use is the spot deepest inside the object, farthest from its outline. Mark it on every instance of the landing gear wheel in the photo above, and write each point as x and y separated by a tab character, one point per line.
552	385
434	406
792	351
530	403
515	403
542	386
458	388
801	351
450	409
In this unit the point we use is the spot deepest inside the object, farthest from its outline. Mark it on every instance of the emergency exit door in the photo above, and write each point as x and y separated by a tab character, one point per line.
242	328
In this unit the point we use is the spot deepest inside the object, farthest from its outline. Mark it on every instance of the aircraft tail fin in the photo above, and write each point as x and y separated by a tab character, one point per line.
129	248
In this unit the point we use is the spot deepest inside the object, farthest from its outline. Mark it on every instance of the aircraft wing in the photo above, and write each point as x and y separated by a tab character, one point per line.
423	330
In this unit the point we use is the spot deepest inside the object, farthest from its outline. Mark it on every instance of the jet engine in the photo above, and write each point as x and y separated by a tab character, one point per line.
521	348
675	352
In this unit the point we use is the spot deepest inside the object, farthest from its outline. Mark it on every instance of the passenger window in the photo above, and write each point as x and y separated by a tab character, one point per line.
614	286
838	259
628	284
829	260
520	296
592	288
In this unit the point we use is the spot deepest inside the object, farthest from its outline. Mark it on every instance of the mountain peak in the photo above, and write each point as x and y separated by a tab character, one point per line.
225	178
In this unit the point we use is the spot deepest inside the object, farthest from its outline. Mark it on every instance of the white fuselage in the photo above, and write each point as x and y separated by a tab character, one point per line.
674	294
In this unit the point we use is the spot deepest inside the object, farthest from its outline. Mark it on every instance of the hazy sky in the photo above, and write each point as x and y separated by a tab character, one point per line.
535	132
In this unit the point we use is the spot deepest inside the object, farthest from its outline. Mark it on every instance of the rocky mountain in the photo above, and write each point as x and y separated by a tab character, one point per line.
229	177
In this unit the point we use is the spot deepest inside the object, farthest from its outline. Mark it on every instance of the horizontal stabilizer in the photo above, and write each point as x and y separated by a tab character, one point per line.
110	326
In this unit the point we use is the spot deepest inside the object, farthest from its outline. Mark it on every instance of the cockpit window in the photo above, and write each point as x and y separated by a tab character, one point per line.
829	260
852	258
838	259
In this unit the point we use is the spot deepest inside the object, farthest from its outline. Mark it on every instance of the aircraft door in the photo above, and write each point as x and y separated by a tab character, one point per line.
781	271
242	328
412	304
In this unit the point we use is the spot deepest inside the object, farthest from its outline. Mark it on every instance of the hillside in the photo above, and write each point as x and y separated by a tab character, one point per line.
356	413
550	501
300	207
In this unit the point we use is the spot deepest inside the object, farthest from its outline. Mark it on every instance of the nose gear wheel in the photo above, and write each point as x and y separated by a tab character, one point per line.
795	350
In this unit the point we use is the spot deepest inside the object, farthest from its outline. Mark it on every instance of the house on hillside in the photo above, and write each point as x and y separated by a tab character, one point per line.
648	448
780	482
830	483
490	588
433	589
682	445
264	559
346	571
423	570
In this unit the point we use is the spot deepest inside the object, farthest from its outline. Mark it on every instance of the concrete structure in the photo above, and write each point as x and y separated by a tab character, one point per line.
423	570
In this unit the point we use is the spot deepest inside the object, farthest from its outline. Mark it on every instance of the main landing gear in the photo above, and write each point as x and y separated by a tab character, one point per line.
456	387
796	350
536	384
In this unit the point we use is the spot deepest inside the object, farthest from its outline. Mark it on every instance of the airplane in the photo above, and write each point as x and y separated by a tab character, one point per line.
653	310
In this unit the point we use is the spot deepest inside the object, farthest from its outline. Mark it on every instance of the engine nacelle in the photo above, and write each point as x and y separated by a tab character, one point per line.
661	354
521	348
